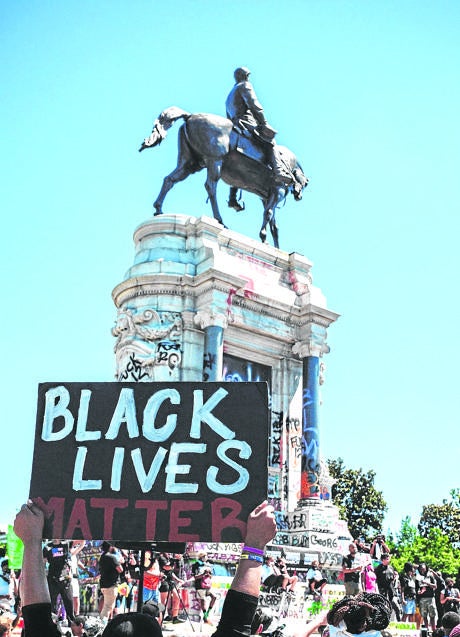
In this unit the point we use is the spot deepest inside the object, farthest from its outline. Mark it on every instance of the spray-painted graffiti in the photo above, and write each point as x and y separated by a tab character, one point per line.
273	485
275	449
292	539
148	345
310	441
133	370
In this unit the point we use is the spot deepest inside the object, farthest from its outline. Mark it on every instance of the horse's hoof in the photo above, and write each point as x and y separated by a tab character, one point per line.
157	212
236	205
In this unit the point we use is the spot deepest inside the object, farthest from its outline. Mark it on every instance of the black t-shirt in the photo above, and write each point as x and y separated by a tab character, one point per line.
385	579
424	591
108	563
348	562
58	557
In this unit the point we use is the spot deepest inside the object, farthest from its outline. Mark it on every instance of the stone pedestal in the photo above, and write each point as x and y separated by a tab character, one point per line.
201	302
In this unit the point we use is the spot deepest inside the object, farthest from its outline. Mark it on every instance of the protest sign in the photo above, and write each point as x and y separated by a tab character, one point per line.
178	462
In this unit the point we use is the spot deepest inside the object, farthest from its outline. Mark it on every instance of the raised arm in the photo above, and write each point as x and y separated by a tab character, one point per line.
241	600
260	530
28	526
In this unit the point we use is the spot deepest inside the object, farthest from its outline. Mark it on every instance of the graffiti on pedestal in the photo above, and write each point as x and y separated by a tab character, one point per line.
148	345
310	446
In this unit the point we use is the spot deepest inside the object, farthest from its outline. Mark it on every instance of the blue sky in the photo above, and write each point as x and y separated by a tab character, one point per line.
368	96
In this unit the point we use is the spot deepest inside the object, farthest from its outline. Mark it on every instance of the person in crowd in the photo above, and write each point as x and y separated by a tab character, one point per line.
359	614
450	597
408	592
8	586
237	612
440	586
449	621
316	580
75	548
6	625
202	572
271	575
387	579
169	593
378	547
289	581
361	545
351	572
152	578
110	567
57	554
369	579
426	586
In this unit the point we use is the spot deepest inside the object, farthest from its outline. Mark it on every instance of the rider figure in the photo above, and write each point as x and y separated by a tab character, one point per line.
246	113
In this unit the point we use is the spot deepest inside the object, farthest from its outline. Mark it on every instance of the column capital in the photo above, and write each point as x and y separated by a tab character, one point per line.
210	318
313	342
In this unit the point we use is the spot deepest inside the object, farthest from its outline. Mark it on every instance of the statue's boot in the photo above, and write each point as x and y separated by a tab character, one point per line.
233	201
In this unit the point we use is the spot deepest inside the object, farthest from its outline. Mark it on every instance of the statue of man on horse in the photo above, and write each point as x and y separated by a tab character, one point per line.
247	114
239	148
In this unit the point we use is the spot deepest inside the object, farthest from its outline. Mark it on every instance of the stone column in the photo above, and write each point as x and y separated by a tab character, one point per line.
310	351
213	324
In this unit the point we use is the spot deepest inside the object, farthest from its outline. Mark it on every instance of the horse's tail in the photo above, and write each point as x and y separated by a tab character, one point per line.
162	124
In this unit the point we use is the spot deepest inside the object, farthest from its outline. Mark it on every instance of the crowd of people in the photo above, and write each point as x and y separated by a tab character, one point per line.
374	591
417	594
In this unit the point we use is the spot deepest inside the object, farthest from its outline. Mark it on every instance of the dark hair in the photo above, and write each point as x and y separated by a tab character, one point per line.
449	620
365	611
132	625
261	616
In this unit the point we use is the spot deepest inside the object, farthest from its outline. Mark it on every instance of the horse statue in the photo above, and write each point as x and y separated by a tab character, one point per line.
209	141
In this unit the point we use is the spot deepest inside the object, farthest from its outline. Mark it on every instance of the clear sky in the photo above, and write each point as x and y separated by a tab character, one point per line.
368	96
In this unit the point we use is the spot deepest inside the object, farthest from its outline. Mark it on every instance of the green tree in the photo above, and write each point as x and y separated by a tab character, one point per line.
434	549
445	516
359	502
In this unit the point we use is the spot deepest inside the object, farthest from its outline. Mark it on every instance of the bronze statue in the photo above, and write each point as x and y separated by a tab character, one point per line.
247	115
229	151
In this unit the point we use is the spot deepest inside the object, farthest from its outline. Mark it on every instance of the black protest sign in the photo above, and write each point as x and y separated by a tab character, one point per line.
179	462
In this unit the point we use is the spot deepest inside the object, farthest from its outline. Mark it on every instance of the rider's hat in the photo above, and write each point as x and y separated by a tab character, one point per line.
241	73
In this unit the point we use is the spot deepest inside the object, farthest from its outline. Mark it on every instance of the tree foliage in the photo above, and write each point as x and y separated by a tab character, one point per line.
445	516
359	502
435	549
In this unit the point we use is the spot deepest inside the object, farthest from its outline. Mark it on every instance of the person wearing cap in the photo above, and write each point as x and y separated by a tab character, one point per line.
237	612
248	117
202	572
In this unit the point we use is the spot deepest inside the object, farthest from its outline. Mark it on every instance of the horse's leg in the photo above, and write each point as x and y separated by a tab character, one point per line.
179	174
270	204
186	165
266	218
212	178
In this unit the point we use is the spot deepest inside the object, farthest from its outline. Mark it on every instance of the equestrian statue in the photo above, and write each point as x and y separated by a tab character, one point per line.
239	149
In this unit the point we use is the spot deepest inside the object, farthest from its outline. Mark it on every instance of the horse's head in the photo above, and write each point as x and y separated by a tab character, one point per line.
301	182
